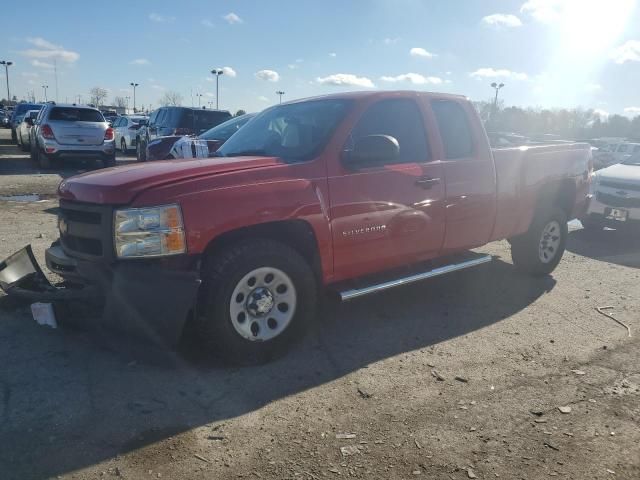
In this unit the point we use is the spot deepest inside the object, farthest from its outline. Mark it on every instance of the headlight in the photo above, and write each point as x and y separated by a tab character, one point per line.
149	232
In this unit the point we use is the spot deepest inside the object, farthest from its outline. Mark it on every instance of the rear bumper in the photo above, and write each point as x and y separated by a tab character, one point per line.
143	299
56	150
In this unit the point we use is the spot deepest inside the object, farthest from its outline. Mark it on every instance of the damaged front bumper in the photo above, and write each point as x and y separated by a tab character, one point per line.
149	299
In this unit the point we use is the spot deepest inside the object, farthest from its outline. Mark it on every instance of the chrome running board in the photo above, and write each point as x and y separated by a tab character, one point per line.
398	282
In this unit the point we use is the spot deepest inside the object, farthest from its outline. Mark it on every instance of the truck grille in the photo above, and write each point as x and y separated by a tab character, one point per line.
617	201
86	230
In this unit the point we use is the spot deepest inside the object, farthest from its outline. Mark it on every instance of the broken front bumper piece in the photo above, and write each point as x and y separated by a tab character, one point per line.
144	299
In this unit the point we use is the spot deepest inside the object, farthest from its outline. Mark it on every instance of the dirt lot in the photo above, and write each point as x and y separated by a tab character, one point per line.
457	377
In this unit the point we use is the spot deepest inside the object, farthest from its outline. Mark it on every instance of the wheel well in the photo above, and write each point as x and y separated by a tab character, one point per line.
297	234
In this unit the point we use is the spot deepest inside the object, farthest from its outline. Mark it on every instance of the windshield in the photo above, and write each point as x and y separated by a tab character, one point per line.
225	130
67	114
294	132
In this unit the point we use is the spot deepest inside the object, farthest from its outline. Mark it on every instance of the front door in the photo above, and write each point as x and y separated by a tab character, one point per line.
390	214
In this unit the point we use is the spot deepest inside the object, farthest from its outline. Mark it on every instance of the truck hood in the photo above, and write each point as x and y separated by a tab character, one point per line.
120	185
625	173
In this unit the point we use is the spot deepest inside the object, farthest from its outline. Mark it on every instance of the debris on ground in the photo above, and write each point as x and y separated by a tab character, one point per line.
462	379
364	393
610	315
579	372
471	473
437	376
551	446
349	450
200	457
565	409
345	436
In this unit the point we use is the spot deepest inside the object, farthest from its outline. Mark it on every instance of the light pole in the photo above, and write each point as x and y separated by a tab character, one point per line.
134	85
199	95
280	93
127	99
210	104
217	72
497	88
44	90
7	64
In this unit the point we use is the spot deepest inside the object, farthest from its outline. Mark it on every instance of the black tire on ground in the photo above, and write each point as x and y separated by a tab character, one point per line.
141	154
110	161
24	147
224	272
43	160
539	251
14	136
123	146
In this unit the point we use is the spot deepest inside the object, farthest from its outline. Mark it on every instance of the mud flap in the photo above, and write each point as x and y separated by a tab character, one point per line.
149	302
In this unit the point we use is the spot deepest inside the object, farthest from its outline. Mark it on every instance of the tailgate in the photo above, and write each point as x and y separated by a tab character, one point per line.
78	133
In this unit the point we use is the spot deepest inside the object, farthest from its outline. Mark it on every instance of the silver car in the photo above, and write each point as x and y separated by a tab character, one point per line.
126	128
615	197
23	132
72	131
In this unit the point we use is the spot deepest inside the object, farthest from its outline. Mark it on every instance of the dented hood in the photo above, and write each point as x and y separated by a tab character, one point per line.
120	185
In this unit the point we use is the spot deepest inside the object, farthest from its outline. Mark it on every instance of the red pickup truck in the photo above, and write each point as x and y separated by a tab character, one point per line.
354	192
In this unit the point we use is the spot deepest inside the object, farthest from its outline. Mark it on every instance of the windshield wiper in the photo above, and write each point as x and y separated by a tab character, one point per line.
246	153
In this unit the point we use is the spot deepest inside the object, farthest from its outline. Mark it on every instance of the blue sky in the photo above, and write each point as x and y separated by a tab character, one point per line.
549	53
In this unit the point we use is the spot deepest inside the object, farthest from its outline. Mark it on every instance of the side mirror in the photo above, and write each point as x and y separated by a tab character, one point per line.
373	150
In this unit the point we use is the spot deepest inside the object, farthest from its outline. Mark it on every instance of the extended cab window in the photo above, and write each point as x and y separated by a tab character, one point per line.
401	119
454	129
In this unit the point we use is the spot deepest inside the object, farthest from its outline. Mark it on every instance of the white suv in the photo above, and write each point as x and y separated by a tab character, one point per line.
71	131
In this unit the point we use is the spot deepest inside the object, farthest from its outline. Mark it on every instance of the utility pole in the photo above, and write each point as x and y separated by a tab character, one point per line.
199	95
79	99
44	90
134	85
217	72
127	99
7	64
280	93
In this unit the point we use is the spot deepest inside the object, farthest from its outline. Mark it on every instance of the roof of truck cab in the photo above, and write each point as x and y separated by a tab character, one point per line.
379	94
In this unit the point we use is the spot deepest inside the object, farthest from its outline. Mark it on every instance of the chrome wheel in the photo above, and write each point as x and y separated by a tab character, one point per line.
262	304
550	242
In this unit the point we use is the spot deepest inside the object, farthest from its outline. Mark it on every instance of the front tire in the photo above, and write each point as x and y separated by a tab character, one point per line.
539	251
123	146
257	298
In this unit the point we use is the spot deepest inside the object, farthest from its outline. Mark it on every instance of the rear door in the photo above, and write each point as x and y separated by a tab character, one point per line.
470	175
77	126
386	215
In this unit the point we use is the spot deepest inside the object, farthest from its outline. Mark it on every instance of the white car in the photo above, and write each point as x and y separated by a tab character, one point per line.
613	153
125	128
615	196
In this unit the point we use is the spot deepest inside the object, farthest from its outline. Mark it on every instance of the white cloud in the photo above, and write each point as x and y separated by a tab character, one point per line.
545	11
632	111
333	54
156	17
603	114
157	87
124	90
39	64
420	52
207	23
500	73
232	18
292	66
627	52
391	41
229	72
209	94
31	82
29	74
268	75
299	60
592	87
48	50
262	98
414	78
502	20
42	43
346	80
140	61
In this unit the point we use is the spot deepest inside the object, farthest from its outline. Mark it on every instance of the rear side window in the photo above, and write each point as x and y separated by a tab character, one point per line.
401	119
454	129
67	114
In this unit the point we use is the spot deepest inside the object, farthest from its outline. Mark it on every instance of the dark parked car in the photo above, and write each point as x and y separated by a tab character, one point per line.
5	117
177	121
204	145
19	112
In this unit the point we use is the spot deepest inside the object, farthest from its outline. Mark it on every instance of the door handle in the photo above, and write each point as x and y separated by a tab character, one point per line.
427	182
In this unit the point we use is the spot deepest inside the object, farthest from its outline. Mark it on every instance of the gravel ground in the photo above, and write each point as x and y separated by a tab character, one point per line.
457	377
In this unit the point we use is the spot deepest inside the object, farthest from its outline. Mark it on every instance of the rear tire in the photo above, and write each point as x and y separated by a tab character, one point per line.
123	146
257	298
110	161
539	251
43	160
141	154
14	136
23	147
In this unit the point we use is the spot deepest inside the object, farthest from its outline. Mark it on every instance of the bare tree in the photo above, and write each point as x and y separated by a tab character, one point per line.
120	102
98	95
171	99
